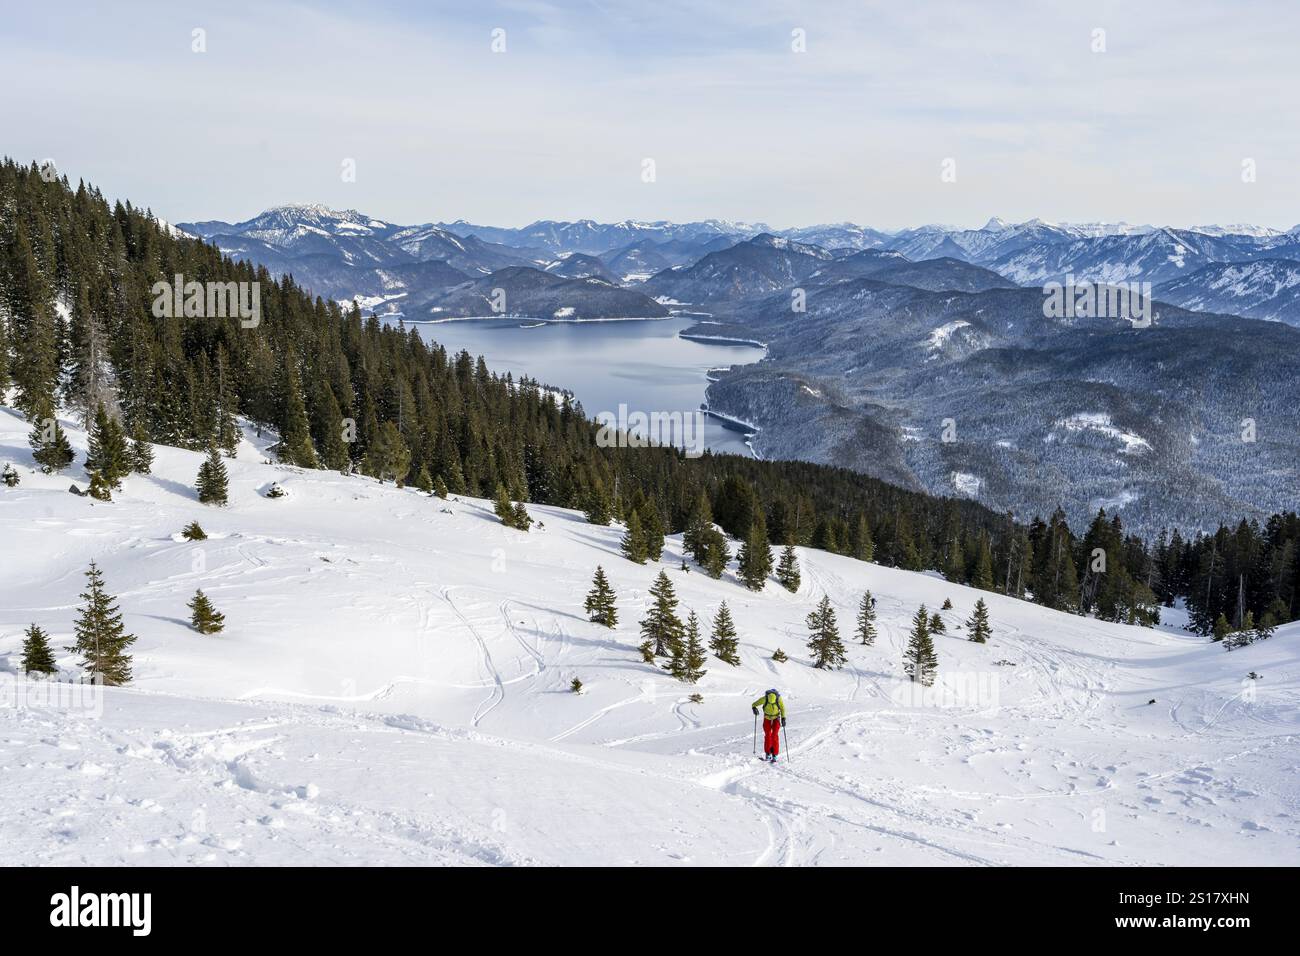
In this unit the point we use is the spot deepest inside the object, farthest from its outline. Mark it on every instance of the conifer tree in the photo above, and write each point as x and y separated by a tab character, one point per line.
955	567
652	531
193	532
227	431
676	664
787	569
9	476
503	508
919	660
936	624
88	384
31	310
38	658
108	453
864	548
984	567
633	543
4	358
688	657
598	510
904	550
205	618
388	456
295	447
213	481
440	488
101	637
866	631
600	606
661	628
424	481
50	446
699	524
755	555
140	455
1221	627
716	553
978	625
779	656
824	637
723	642
100	489
328	430
824	538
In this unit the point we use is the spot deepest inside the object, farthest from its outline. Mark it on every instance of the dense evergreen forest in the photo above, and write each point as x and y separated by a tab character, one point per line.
345	392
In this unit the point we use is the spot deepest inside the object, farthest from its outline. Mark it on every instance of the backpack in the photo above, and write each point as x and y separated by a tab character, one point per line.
775	692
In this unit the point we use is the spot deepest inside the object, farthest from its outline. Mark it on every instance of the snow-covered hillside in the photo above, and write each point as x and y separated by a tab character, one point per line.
393	687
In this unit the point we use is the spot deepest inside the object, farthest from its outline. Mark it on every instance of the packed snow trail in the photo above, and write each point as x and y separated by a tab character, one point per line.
393	687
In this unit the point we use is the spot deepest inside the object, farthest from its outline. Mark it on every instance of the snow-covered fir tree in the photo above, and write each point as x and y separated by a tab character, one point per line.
687	658
919	660
108	452
38	657
213	482
978	629
787	569
140	453
205	618
652	531
600	606
50	446
723	642
661	628
824	642
866	632
755	559
633	543
102	640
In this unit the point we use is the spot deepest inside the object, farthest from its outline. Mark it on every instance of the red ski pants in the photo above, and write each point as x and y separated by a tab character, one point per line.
771	735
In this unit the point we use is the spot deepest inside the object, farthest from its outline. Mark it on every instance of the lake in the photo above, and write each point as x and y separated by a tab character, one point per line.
641	364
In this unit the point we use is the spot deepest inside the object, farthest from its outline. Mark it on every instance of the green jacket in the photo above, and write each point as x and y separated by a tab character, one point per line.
773	705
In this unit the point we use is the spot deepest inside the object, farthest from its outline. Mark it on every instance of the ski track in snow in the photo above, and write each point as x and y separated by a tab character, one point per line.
498	693
393	687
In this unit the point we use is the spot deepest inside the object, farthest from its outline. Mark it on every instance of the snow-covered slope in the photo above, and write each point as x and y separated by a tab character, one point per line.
392	687
1264	289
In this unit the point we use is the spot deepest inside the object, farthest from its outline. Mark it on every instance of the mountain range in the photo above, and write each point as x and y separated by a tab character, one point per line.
877	339
346	254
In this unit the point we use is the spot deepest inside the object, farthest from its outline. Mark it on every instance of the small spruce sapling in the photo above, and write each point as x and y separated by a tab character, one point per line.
205	618
978	625
38	658
867	619
600	606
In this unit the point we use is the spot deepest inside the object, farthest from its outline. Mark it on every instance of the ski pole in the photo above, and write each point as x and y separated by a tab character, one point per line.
755	733
787	743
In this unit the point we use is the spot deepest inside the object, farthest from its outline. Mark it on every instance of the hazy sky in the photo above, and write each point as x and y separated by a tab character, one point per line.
739	126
